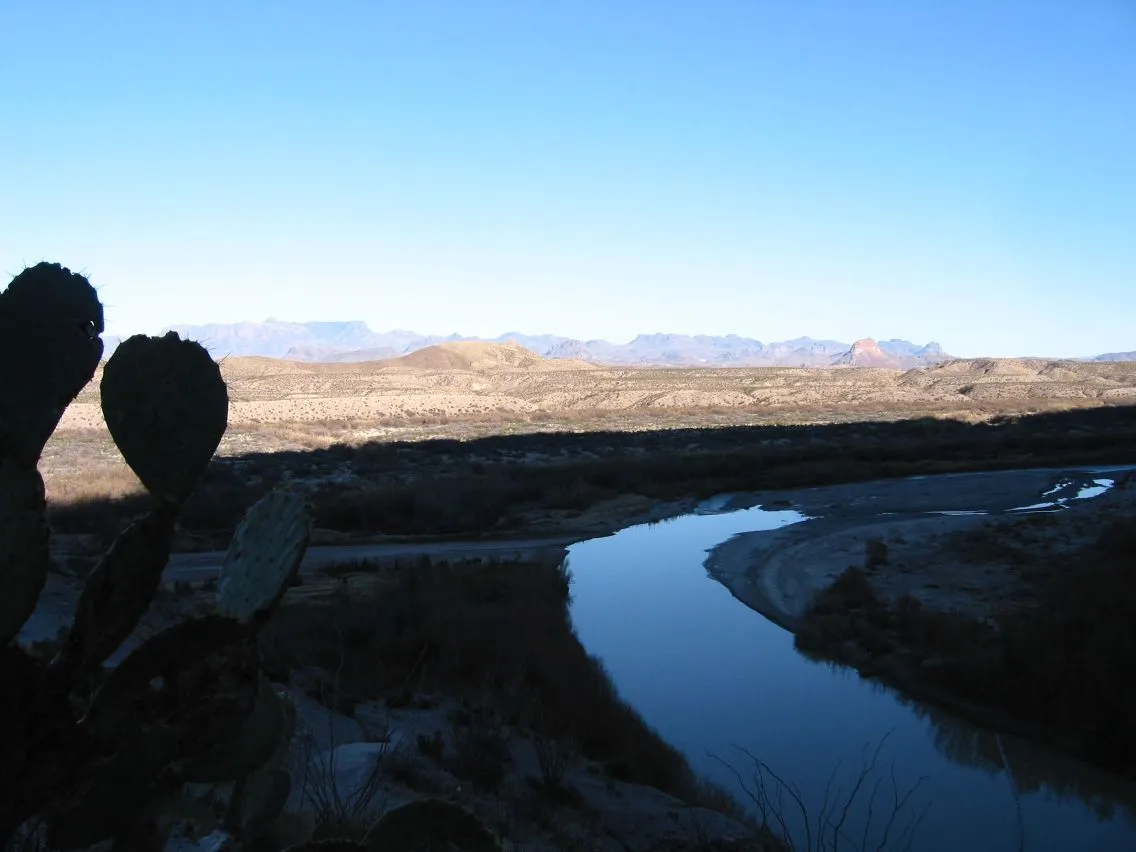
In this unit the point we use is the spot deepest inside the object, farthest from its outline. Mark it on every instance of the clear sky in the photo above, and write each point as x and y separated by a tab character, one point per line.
962	171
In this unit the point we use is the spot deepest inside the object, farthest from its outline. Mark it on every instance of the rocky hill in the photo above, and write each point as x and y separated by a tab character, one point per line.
1000	379
867	353
476	356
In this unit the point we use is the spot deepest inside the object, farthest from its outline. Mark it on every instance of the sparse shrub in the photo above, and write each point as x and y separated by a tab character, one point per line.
908	608
875	553
338	812
432	745
402	768
481	748
554	758
1118	539
852	590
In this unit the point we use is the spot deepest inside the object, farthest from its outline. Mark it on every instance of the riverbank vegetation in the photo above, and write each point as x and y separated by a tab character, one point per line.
497	638
518	483
495	635
1061	669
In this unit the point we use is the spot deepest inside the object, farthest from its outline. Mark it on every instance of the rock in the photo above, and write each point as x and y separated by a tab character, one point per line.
643	818
218	841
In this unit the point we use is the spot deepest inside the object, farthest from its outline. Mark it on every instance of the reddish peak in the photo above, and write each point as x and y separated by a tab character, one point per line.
866	352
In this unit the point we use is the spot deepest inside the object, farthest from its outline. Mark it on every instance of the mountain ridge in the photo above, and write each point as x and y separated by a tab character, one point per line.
353	341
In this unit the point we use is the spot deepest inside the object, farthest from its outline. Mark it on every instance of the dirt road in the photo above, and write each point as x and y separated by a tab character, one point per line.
198	567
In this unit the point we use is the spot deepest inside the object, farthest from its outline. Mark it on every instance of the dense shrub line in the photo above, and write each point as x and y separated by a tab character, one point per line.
469	487
1064	670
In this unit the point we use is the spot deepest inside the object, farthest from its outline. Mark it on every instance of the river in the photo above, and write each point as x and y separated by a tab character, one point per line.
710	674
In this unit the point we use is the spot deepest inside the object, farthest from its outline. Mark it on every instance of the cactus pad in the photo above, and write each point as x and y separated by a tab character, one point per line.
42	752
50	322
431	824
252	747
264	555
197	679
167	407
55	289
118	592
24	551
120	798
265	795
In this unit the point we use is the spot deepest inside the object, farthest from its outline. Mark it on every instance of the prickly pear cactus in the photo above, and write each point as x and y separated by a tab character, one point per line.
264	555
254	745
431	824
51	288
24	551
197	679
118	592
100	752
167	407
194	692
264	794
50	322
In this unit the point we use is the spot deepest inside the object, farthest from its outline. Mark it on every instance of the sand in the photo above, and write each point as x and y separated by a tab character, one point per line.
973	563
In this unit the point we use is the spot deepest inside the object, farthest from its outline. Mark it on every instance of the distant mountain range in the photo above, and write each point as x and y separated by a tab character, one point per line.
354	341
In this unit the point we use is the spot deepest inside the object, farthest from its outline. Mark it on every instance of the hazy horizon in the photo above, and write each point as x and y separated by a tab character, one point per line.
523	332
427	333
963	173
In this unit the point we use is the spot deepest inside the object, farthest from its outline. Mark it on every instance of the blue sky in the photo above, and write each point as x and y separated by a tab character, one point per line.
963	171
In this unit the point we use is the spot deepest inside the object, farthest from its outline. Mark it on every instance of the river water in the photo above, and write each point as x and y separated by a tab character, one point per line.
710	675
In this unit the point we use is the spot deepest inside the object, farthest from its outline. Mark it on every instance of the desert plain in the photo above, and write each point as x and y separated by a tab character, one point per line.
505	381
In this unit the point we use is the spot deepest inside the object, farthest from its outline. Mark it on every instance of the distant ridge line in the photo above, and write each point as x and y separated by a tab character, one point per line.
338	342
353	341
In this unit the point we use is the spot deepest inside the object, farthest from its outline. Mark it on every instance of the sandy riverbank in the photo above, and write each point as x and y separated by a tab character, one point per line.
967	562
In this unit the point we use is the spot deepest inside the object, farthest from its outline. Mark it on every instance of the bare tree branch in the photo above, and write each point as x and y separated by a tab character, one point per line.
774	798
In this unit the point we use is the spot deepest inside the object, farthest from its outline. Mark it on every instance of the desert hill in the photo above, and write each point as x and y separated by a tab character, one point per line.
460	357
477	356
995	379
463	379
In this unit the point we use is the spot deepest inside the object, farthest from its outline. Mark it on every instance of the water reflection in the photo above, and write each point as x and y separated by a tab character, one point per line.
709	674
1033	768
1071	490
